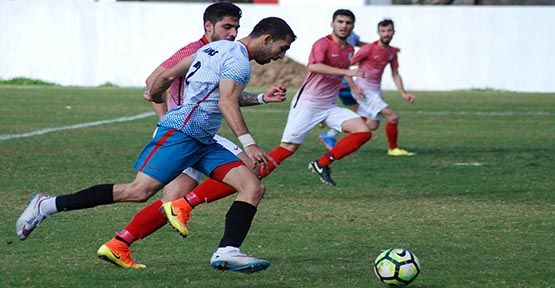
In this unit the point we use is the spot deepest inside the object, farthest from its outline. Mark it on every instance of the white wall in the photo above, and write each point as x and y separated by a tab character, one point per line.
443	48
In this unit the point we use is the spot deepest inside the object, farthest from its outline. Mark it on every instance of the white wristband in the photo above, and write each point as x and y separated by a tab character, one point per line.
246	140
260	98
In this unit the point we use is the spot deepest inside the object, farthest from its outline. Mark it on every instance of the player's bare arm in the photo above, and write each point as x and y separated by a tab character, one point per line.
159	108
275	94
230	92
164	80
329	70
399	83
355	90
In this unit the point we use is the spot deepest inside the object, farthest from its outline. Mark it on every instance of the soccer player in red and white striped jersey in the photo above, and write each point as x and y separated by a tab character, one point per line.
373	58
315	102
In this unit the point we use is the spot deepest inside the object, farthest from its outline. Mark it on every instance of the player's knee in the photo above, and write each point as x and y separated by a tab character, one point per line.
260	191
255	190
394	118
372	126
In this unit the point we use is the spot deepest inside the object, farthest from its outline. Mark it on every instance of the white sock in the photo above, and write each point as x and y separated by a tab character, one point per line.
48	207
226	249
332	133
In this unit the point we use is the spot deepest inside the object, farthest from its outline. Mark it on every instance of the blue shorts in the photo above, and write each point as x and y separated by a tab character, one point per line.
345	94
346	97
171	151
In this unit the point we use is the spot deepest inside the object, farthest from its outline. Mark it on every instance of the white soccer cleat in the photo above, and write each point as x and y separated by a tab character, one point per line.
231	258
31	217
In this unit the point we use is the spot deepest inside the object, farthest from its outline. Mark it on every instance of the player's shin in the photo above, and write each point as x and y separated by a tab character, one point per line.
392	133
278	154
87	198
237	224
208	191
344	147
145	222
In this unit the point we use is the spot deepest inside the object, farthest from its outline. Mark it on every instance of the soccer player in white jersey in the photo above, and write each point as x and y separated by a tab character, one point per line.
221	22
185	138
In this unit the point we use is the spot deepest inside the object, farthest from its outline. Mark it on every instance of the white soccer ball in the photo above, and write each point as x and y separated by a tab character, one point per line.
396	267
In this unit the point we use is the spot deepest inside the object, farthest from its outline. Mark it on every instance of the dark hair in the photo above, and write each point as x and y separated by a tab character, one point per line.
217	11
343	12
277	27
386	22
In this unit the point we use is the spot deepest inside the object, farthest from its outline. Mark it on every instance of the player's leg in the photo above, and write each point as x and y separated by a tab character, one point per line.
238	222
211	190
225	167
329	138
42	206
300	121
392	132
147	221
358	134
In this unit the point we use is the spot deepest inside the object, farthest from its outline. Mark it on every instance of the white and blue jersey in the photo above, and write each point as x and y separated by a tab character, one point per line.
185	136
199	115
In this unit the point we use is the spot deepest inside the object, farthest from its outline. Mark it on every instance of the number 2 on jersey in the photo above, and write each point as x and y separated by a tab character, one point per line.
196	66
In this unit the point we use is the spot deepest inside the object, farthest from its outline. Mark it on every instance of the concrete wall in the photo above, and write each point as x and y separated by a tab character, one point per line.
443	48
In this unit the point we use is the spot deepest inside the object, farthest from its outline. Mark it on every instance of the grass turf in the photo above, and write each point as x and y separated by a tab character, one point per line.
475	205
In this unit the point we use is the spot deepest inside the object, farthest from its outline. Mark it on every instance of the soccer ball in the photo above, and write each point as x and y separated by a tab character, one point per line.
396	267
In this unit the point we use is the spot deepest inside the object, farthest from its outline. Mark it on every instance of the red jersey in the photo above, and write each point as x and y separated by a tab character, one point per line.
320	90
373	58
177	89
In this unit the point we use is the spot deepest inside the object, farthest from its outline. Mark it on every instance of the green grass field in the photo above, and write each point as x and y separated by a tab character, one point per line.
476	205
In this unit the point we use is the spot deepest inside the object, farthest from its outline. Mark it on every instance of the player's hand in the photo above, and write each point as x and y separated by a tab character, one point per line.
355	73
275	94
357	92
409	97
259	158
149	98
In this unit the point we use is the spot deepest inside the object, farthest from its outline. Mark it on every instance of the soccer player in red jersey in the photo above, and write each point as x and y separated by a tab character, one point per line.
315	102
373	58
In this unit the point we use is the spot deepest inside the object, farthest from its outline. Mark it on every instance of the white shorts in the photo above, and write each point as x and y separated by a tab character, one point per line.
226	143
303	118
371	105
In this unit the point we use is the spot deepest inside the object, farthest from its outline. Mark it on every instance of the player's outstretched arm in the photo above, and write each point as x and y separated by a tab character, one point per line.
275	94
399	83
355	90
230	92
159	108
163	81
329	70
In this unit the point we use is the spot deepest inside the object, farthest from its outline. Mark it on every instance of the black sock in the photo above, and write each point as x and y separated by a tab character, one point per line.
237	223
90	197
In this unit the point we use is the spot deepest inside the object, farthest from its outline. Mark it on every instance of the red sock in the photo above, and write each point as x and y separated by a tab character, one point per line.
392	132
344	147
145	222
278	154
208	191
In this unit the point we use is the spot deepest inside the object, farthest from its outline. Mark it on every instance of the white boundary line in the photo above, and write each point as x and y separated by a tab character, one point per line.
4	137
437	113
76	126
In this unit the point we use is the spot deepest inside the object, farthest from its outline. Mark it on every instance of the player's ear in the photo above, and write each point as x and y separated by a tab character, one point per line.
267	39
208	26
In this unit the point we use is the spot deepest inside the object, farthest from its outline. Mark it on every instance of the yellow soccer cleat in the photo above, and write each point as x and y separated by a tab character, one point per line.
399	152
177	213
118	253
